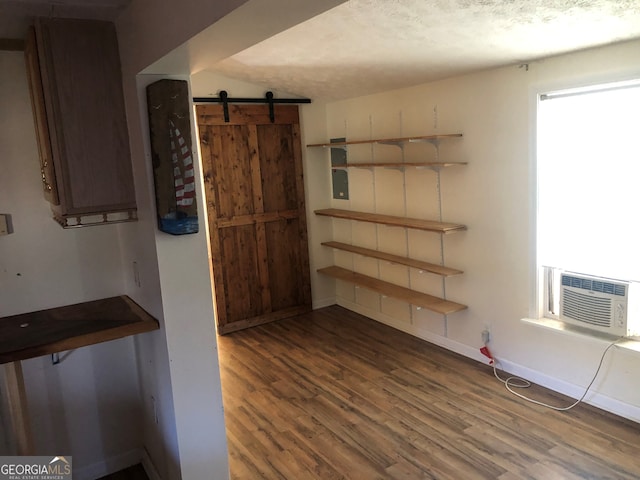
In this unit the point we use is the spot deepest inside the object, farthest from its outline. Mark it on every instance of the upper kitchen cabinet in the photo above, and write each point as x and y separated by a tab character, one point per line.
78	106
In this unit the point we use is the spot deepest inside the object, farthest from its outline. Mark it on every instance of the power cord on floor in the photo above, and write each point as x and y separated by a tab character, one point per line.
517	382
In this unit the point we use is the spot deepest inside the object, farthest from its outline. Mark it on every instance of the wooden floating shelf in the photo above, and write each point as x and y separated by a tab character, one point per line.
65	328
400	165
415	223
410	262
419	299
399	140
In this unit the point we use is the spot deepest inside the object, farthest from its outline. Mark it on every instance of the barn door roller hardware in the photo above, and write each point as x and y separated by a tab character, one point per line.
268	98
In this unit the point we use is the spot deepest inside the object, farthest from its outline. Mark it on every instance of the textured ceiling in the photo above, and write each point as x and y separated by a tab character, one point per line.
367	46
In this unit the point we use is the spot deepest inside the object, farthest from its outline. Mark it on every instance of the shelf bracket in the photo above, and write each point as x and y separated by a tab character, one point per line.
400	145
433	141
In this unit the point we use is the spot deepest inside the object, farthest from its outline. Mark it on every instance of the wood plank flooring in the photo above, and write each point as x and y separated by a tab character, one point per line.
333	395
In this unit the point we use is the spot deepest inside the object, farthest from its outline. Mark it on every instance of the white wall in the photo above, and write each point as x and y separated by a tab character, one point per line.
493	196
184	433
87	405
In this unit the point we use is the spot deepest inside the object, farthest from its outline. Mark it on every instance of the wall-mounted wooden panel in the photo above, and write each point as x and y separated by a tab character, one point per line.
168	105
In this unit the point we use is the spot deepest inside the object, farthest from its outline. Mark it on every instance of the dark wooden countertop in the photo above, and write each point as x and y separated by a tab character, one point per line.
64	328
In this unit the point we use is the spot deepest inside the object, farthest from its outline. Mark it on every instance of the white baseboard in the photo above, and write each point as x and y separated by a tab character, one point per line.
149	467
439	340
626	410
107	466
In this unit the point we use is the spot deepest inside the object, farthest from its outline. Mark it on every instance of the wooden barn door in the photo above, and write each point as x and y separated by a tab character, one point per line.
255	200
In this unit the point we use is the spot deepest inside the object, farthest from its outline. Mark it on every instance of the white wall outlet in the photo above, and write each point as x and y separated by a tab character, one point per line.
486	335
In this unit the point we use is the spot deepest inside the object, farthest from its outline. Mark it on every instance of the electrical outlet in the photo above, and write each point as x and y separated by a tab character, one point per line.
486	335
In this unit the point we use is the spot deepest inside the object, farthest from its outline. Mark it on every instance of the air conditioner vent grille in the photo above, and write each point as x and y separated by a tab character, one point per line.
596	303
593	285
587	308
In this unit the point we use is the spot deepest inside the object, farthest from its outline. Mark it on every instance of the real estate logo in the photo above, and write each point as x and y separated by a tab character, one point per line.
36	468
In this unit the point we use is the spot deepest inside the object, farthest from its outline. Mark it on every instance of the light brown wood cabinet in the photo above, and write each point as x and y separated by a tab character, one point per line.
78	105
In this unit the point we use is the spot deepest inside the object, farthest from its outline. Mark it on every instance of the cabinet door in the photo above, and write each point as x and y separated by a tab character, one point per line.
84	103
49	186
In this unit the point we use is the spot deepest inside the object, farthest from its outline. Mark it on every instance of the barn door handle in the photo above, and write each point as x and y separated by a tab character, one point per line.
272	115
224	96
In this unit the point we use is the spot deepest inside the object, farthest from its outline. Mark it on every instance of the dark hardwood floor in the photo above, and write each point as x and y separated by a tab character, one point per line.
333	395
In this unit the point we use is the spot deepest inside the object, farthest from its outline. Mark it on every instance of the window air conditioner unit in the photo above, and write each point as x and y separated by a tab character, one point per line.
596	303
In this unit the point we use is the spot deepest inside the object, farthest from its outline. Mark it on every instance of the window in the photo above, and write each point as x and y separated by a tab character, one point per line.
588	174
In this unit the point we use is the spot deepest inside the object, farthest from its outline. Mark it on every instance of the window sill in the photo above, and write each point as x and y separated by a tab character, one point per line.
630	343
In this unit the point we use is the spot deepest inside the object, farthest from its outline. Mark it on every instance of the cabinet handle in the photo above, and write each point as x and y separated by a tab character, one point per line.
47	185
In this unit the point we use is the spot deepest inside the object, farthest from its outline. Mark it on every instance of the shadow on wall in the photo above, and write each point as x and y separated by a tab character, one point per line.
7	445
87	406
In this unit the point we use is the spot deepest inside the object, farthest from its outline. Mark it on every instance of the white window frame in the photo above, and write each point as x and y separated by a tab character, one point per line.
540	274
